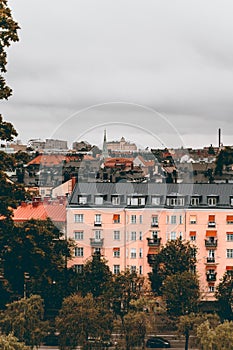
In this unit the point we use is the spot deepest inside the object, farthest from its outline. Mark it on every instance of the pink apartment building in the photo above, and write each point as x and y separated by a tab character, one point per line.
128	223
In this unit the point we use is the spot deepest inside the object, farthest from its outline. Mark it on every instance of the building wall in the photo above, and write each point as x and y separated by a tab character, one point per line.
171	224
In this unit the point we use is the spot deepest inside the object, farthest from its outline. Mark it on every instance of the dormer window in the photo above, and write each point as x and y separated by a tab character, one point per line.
116	200
155	200
82	199
99	199
194	201
231	201
136	201
212	201
175	201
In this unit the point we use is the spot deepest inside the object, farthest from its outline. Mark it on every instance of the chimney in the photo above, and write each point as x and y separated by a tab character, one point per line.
73	182
219	137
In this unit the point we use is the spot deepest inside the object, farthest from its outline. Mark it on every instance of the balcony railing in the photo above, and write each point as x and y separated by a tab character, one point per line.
154	224
98	223
211	224
96	243
211	277
154	242
211	243
210	260
151	258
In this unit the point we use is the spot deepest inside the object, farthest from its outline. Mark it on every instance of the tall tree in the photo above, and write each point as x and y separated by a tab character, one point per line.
24	318
9	342
176	257
224	295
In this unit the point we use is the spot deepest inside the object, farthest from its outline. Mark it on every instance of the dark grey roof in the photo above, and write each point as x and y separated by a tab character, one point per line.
223	192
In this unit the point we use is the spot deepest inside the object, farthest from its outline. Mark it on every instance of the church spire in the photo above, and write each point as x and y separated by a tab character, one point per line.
105	149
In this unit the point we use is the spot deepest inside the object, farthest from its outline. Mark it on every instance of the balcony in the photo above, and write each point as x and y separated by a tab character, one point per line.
211	277
96	243
210	260
153	242
211	243
98	223
151	258
154	224
211	224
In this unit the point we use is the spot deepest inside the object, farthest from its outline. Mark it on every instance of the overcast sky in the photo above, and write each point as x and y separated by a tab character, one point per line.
158	72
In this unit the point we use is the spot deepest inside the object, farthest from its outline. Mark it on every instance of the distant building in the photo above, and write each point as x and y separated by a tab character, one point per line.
121	145
56	144
82	146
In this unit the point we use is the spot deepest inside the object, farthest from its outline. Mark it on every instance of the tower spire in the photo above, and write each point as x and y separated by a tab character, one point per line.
105	149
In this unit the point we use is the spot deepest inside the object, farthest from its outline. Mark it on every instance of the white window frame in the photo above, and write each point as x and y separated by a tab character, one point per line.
116	200
212	201
229	237
97	235
116	269
99	200
116	235
195	201
173	236
116	253
78	235
82	200
98	218
133	219
133	253
173	219
155	200
140	252
229	253
78	218
133	236
79	252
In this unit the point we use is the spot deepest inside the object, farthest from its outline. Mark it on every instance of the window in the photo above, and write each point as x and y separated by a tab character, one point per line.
133	253
211	221
229	219
116	218
78	268
211	253
133	219
133	268
78	217
181	219
97	250
140	270
173	235
231	201
78	235
229	236
98	218
212	201
116	269
140	236
97	235
133	236
193	219
140	253
78	251
99	200
173	219
230	253
195	201
192	237
116	252
211	289
140	219
155	200
82	200
116	235
175	201
155	234
116	200
181	235
136	201
154	220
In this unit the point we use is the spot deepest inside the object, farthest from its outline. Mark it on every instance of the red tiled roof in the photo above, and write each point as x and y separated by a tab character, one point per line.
52	159
40	211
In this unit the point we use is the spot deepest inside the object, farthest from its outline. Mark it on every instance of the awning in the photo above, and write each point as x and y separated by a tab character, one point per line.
192	233
211	218
116	217
229	268
229	217
211	267
116	249
211	233
152	250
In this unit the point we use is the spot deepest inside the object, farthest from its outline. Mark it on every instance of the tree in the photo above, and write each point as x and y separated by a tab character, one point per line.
9	30
81	318
24	318
96	277
39	249
181	292
175	257
9	342
135	329
218	338
224	295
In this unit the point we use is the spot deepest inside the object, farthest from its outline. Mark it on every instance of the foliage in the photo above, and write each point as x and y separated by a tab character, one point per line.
8	34
181	292
38	248
24	318
175	257
224	295
9	342
126	287
96	277
134	329
225	157
218	338
81	318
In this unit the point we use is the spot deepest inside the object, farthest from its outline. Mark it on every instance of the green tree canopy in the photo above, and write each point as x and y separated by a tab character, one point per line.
10	342
24	318
176	257
81	318
217	338
135	329
224	295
